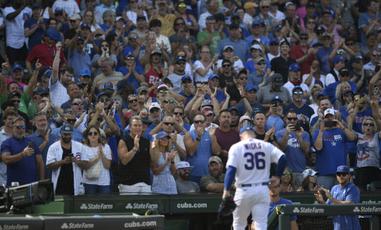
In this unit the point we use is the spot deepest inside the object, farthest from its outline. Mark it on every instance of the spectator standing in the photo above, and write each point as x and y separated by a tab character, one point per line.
134	160
64	160
34	27
331	137
69	6
225	135
163	165
22	157
281	64
15	16
96	175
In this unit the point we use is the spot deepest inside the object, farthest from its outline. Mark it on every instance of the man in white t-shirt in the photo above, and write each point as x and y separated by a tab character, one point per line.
15	16
294	79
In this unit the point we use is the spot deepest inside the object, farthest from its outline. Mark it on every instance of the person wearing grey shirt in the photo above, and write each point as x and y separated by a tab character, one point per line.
183	184
267	93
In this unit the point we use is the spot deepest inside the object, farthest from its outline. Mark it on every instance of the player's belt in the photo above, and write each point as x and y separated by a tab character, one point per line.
253	185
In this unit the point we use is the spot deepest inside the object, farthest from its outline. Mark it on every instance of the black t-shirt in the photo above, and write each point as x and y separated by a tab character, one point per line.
65	182
138	169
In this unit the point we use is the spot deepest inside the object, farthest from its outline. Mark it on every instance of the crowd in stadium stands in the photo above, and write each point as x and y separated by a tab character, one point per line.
140	96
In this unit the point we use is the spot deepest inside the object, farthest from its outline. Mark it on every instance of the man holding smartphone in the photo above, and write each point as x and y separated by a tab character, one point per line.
329	141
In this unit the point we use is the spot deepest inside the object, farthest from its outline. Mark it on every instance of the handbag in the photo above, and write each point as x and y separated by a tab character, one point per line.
94	171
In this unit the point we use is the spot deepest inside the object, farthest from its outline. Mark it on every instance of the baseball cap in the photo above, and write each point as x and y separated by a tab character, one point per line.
186	78
338	58
206	102
344	72
249	5
133	35
142	88
75	17
215	159
276	100
181	4
161	135
256	47
156	51
257	22
233	26
294	67
297	88
244	118
85	26
308	172
53	34
274	42
329	111
17	67
183	165
358	58
154	105
85	73
108	89
180	59
66	128
343	169
288	4
119	18
162	86
228	47
140	17
246	129
284	42
251	87
41	91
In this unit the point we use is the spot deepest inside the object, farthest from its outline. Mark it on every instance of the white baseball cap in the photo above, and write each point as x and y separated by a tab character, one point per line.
308	172
329	111
183	165
154	105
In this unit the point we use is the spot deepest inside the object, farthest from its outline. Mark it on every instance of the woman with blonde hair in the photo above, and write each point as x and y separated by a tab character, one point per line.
163	165
96	176
341	89
368	154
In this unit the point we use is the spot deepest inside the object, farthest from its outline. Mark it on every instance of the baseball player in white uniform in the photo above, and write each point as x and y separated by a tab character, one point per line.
249	164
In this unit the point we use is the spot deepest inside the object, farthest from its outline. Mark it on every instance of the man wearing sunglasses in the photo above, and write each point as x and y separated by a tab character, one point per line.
343	193
22	157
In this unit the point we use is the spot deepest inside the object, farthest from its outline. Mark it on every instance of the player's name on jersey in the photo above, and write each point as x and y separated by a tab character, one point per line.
255	145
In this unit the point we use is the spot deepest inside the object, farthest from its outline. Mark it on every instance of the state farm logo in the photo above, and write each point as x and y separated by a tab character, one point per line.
14	227
96	206
72	225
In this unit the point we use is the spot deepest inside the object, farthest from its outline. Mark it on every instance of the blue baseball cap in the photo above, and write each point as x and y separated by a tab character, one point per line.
53	34
180	59
66	128
162	135
17	67
343	169
186	78
250	87
212	76
294	67
85	73
246	129
338	58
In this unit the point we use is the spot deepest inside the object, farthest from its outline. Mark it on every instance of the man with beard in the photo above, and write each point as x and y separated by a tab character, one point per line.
267	93
226	136
64	160
183	184
294	79
41	137
298	103
178	73
214	182
22	157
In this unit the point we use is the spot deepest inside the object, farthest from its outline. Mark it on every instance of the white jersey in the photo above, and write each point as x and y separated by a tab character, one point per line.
252	158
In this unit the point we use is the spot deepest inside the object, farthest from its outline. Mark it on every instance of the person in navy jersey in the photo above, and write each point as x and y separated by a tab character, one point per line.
329	141
277	200
295	143
330	90
22	157
298	103
34	27
343	193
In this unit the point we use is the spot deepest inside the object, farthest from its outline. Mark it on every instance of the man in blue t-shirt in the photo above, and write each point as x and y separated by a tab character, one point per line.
295	143
329	141
22	157
277	200
343	193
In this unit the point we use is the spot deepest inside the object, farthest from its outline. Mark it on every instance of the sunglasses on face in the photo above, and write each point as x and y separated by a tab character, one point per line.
178	113
77	103
168	123
199	121
20	127
298	93
132	100
93	134
292	118
368	124
226	66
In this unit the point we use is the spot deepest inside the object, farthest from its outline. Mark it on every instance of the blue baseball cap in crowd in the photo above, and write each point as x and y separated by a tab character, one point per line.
343	169
251	87
186	78
213	76
67	129
53	34
338	58
162	135
17	67
294	67
85	73
180	59
246	129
